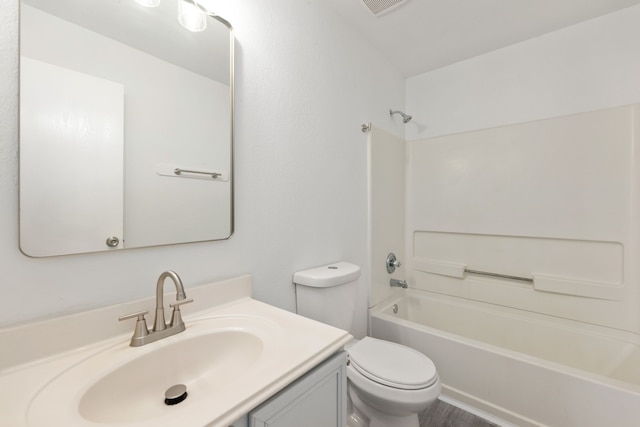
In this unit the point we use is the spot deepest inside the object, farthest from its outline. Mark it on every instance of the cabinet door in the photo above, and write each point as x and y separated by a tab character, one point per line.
241	422
318	399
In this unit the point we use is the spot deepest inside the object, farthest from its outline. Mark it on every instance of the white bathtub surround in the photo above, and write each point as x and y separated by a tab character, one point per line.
97	343
525	368
558	204
387	171
555	203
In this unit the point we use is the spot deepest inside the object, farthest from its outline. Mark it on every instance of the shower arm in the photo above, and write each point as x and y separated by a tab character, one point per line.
405	117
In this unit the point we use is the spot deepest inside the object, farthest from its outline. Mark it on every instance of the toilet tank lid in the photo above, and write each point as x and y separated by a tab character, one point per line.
326	276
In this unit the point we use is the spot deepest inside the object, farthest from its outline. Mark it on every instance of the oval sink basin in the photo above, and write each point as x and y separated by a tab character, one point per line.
124	385
136	390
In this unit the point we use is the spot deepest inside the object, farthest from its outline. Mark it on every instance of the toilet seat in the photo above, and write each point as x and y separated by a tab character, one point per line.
393	365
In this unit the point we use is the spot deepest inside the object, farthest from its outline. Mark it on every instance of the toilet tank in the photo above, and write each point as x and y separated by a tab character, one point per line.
328	293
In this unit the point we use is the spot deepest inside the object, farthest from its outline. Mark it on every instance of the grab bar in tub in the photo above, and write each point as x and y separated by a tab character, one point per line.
501	276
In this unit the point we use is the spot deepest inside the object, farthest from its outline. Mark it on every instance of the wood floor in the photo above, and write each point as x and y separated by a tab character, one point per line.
441	414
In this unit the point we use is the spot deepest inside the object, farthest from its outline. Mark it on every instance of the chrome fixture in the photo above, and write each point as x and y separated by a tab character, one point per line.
395	283
112	241
500	276
405	117
175	394
392	263
214	175
365	127
141	334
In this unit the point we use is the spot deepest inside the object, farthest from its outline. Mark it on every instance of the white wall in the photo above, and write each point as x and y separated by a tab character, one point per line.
305	83
585	67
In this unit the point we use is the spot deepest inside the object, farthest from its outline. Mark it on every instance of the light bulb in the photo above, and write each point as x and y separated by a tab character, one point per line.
148	3
191	16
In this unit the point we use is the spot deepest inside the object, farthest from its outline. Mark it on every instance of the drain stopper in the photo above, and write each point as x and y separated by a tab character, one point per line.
175	394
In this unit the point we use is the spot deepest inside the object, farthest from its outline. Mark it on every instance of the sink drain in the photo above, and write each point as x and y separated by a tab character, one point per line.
175	394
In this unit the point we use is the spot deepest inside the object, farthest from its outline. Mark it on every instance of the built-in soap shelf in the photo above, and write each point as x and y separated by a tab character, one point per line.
588	269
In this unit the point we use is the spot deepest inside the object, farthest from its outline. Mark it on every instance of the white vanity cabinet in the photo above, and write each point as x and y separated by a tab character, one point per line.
317	399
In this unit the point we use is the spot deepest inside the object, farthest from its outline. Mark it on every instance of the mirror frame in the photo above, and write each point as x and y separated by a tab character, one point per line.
231	150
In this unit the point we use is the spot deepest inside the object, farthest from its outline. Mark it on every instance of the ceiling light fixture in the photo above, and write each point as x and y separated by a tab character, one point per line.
191	16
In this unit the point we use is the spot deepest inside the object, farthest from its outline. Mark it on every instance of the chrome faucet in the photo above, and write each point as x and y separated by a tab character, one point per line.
395	283
159	322
142	335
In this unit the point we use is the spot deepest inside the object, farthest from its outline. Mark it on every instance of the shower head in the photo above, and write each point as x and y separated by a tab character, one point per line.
405	117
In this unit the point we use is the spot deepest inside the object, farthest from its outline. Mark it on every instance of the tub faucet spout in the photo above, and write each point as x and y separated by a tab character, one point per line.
395	283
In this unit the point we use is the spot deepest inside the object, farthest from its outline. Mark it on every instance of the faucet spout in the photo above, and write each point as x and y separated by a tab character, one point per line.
395	283
159	324
142	335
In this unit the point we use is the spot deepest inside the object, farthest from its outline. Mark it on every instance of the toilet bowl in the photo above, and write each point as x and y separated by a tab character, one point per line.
388	384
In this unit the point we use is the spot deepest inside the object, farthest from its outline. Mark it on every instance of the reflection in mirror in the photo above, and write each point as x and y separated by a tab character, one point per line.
126	126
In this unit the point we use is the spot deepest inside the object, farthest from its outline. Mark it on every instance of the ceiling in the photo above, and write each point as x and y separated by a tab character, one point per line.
422	35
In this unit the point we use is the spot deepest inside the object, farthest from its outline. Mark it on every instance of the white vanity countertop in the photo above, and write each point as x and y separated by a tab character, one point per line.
34	356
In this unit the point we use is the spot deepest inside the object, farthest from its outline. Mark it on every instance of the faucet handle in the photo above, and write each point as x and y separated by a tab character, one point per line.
176	305
141	325
176	316
138	314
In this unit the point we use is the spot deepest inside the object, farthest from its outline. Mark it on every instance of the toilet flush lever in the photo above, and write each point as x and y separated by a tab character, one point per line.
392	263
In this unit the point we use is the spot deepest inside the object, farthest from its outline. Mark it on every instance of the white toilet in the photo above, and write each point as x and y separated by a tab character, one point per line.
388	383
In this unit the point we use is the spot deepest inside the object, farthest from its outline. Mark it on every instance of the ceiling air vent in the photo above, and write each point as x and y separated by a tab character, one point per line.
378	7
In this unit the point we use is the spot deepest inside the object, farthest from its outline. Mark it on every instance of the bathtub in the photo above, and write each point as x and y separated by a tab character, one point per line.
524	368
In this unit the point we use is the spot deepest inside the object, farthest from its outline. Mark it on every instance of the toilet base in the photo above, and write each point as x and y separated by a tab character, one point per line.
360	414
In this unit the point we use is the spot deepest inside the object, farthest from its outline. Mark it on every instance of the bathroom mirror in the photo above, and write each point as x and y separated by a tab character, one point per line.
126	125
